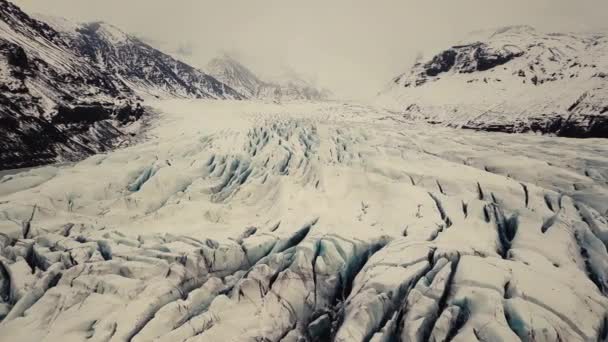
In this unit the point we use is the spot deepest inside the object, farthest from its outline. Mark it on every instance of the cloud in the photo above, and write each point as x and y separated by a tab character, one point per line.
185	49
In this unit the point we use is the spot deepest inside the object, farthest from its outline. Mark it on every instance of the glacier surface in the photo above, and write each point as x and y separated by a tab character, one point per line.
245	221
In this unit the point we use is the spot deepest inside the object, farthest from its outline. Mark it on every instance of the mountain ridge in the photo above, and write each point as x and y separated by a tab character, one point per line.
290	86
71	90
517	80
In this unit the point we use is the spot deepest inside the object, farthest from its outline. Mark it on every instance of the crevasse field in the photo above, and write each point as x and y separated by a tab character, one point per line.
245	221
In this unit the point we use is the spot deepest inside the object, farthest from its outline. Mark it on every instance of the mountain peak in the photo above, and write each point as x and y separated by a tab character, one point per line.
228	70
497	32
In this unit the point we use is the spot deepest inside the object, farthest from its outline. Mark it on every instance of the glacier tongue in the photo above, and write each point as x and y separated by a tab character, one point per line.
244	221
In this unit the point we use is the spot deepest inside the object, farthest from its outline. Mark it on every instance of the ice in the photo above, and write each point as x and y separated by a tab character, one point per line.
248	221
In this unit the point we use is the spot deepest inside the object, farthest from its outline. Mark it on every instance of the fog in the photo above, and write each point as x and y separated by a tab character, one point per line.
353	47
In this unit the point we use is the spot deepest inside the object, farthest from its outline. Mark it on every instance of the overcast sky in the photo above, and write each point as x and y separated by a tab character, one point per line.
353	47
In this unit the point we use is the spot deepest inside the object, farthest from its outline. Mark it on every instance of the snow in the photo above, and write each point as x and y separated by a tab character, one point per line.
243	220
548	79
112	34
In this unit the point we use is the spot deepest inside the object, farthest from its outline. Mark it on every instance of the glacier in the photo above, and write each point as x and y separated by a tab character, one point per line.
251	221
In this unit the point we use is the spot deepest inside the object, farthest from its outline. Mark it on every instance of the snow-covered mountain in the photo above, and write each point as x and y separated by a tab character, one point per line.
143	68
55	105
515	79
287	86
70	90
229	71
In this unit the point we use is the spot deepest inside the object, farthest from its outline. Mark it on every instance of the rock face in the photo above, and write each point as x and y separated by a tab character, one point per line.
469	58
289	86
515	79
69	90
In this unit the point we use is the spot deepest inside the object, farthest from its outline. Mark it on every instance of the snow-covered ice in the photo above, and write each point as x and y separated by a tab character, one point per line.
246	221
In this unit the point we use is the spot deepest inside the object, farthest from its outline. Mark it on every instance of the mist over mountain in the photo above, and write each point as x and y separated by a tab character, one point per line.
287	85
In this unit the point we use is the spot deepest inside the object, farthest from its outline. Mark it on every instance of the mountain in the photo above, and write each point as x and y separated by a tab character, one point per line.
287	86
515	79
293	86
143	68
229	71
71	90
54	104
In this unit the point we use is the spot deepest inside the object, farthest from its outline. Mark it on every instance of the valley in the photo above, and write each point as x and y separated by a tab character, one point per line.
243	221
143	198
